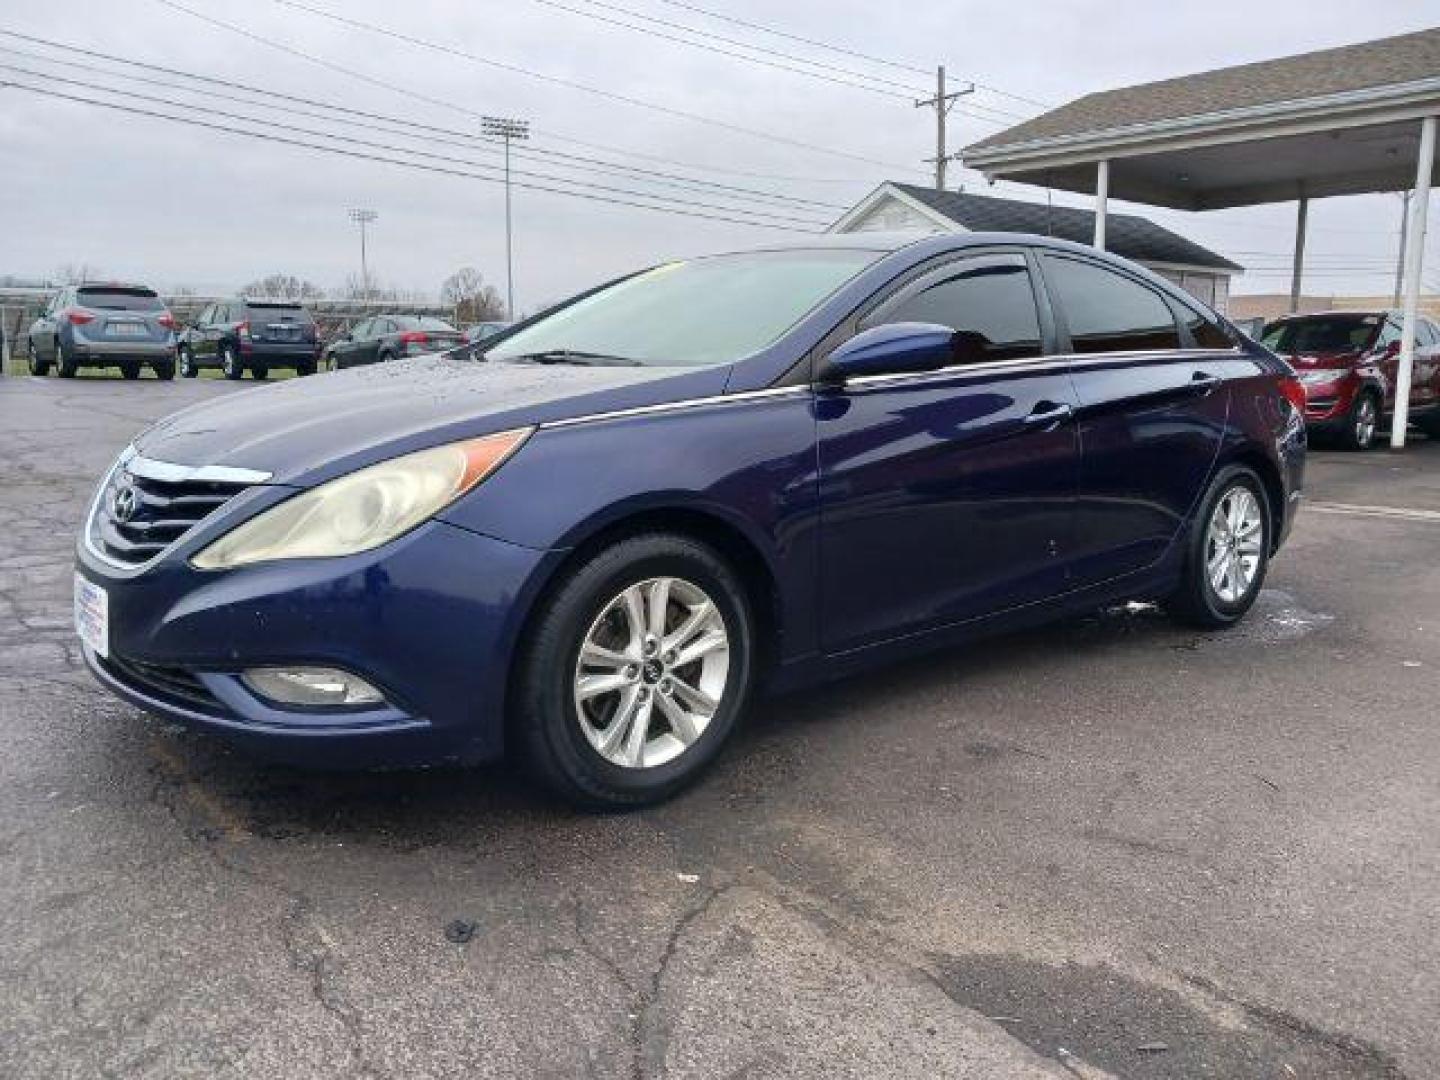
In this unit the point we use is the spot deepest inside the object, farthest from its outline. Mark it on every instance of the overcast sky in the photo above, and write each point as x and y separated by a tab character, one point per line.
171	205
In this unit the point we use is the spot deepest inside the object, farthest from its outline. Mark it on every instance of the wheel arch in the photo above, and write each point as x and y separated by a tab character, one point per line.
1254	459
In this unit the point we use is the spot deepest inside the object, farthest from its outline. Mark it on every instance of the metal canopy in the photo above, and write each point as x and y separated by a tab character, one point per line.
1345	121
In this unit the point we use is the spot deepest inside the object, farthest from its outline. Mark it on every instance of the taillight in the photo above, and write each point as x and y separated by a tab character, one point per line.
166	320
414	337
243	330
79	316
1294	391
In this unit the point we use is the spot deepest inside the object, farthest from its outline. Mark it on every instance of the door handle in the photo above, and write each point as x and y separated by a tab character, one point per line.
1047	413
1202	382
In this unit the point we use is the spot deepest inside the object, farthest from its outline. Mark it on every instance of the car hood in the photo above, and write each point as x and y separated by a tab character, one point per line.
303	431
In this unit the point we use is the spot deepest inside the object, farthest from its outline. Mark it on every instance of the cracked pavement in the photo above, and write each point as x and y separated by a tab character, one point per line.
1107	848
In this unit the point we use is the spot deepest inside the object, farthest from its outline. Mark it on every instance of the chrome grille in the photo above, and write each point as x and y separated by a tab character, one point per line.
145	506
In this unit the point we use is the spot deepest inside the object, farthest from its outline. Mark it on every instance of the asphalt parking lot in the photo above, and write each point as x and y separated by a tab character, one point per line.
1112	847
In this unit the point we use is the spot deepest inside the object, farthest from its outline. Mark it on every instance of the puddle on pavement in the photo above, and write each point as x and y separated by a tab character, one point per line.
1276	617
1133	1029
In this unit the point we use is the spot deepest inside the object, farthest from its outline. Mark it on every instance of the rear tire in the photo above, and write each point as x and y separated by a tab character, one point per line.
571	742
1362	423
65	366
164	370
303	369
130	369
37	366
230	363
1430	424
1227	552
259	371
188	370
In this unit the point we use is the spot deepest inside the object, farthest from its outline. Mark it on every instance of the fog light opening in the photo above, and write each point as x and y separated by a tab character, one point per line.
312	687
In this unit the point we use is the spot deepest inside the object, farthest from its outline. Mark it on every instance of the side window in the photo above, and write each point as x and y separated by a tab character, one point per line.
205	318
1107	312
361	332
991	301
383	327
1389	334
1425	332
1206	333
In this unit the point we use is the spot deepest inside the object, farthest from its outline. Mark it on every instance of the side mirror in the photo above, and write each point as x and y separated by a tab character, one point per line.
893	349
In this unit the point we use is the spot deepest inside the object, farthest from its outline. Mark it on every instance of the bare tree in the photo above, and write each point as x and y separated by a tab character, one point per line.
473	300
283	287
76	273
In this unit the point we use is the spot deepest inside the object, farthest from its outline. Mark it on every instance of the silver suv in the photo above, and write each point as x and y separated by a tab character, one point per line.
110	325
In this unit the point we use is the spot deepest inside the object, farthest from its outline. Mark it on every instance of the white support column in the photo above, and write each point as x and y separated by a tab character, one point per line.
1102	194
1297	268
1414	259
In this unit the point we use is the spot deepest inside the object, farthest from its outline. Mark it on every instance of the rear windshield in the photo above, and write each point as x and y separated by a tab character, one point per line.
425	322
110	298
1322	333
278	313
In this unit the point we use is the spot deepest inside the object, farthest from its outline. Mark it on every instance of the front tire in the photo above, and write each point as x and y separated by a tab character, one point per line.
1228	551
65	366
230	363
259	371
635	673
37	366
1362	422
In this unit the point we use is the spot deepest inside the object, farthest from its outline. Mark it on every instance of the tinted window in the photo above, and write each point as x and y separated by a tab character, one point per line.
1109	313
993	301
428	323
1322	333
1389	335
113	299
1425	332
705	311
277	313
1206	333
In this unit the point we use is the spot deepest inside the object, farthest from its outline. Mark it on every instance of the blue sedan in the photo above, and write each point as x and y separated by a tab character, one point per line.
594	543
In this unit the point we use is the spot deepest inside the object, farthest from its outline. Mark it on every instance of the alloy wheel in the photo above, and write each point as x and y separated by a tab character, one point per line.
1365	422
1234	544
651	673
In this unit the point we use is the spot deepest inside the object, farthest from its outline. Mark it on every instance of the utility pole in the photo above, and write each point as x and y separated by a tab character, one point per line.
942	103
363	218
497	127
1400	260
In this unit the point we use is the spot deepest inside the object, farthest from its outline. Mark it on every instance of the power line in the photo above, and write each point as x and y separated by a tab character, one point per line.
409	127
270	136
735	20
451	50
903	91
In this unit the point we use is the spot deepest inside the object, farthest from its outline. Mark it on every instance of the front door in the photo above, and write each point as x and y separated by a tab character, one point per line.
1153	402
947	495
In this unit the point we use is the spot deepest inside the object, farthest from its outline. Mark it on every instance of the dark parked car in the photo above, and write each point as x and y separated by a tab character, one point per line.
481	331
1348	362
732	473
389	337
103	325
254	335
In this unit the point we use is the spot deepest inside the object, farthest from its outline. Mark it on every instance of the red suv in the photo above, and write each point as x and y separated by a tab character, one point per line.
1348	362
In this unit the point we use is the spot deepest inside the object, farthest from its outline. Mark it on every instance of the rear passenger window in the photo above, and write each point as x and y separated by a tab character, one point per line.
992	300
1109	313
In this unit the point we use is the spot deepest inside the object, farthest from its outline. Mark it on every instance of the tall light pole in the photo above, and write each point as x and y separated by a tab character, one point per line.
363	218
498	127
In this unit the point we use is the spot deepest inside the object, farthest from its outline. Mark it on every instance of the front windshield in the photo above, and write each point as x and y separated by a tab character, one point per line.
688	314
1322	334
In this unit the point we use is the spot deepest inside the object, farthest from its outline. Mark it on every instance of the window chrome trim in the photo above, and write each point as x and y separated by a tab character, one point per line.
675	406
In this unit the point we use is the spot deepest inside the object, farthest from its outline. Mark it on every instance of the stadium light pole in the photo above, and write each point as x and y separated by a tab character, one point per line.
363	218
507	130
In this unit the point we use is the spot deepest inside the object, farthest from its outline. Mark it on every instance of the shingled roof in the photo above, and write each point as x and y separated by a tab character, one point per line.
1388	62
1125	234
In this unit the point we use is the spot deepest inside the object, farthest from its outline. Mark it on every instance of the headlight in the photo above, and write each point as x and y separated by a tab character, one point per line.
364	509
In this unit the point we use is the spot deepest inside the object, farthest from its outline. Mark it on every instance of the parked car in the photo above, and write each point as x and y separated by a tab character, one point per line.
739	472
103	325
255	335
1348	362
482	330
389	337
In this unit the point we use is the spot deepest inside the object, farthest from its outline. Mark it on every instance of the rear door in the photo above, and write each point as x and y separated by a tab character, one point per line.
1153	403
947	495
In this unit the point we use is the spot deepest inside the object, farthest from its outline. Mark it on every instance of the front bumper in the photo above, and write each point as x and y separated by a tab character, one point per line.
431	619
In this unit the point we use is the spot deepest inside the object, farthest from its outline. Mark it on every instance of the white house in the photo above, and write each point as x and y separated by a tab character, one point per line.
907	206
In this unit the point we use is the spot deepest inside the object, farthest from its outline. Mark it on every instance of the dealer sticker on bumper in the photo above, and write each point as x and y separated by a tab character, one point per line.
92	615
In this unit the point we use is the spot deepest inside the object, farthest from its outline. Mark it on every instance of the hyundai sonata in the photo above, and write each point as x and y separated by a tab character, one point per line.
594	543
